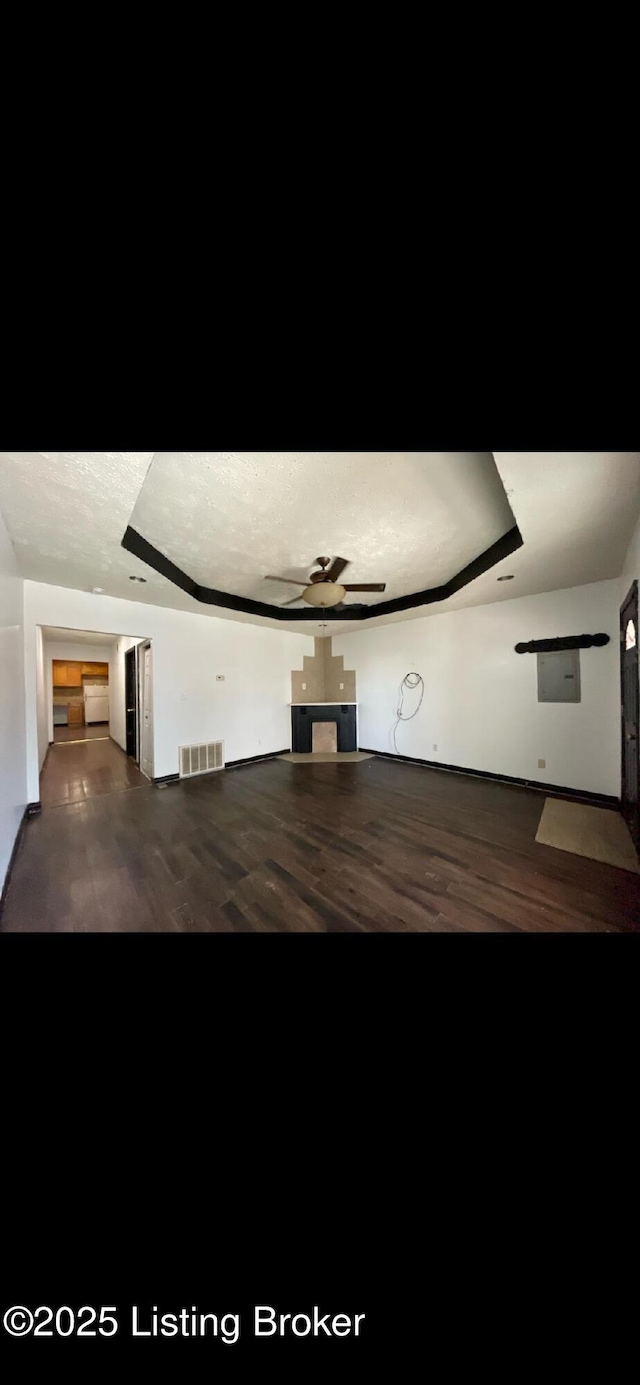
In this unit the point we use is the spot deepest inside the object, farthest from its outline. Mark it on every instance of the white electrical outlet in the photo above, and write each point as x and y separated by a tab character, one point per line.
304	687
435	747
542	764
342	687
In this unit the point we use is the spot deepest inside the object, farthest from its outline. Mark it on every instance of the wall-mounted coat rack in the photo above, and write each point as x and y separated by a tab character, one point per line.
568	642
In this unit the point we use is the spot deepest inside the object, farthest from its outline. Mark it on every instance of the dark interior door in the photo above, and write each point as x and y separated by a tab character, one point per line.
131	704
630	712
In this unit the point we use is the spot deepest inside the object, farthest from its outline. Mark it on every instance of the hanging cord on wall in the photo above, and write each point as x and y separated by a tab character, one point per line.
412	681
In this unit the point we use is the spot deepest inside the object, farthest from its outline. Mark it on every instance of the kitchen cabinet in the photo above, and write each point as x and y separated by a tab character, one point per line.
70	674
76	715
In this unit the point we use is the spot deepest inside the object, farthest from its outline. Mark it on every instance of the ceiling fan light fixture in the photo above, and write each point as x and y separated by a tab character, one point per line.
324	594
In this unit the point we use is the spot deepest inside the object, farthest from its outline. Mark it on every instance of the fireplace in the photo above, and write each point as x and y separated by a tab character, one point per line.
304	718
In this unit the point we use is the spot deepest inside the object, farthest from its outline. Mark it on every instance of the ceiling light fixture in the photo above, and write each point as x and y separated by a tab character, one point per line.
506	579
324	594
137	579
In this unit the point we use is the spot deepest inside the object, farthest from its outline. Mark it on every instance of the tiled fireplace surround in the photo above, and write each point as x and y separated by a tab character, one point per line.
324	678
323	695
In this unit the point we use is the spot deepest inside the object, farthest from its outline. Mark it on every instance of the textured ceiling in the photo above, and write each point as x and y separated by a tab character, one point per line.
67	513
410	519
576	512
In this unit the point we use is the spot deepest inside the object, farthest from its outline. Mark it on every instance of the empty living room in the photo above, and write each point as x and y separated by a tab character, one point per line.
319	692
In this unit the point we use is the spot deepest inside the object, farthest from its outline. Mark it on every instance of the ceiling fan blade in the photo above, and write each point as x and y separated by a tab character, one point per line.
339	565
366	587
291	580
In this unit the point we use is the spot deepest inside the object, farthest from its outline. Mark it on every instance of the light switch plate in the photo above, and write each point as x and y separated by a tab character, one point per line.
542	764
304	687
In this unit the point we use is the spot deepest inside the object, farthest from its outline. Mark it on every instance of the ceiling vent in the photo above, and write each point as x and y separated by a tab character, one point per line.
201	759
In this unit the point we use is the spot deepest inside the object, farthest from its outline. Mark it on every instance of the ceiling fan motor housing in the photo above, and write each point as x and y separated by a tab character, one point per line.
322	575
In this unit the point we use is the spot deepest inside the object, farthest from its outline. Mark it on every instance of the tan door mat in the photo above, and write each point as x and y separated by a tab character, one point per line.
601	834
320	756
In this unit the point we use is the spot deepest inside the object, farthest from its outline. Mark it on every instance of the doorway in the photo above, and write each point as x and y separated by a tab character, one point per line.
74	684
88	739
131	703
146	710
630	712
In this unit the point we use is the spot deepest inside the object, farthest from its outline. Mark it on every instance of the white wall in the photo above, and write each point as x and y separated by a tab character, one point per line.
43	699
480	706
249	711
13	779
76	653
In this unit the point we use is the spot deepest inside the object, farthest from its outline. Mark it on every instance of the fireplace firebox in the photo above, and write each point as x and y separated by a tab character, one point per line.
303	717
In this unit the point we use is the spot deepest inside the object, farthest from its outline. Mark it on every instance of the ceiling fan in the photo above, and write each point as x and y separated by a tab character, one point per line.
324	589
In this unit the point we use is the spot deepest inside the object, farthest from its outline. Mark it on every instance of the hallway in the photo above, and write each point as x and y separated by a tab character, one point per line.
76	771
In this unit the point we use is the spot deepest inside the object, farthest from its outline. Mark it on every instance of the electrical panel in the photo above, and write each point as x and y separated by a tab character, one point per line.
559	676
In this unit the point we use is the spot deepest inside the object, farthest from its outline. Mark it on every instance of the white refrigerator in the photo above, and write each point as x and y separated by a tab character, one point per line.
96	703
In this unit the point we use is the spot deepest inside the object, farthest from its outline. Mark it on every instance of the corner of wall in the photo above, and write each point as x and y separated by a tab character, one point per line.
13	753
631	565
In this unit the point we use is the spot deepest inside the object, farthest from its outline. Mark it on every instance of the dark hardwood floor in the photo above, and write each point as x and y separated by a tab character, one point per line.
323	848
99	730
74	772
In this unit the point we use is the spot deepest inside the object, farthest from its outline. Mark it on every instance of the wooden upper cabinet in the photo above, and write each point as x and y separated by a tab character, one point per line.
70	675
67	675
